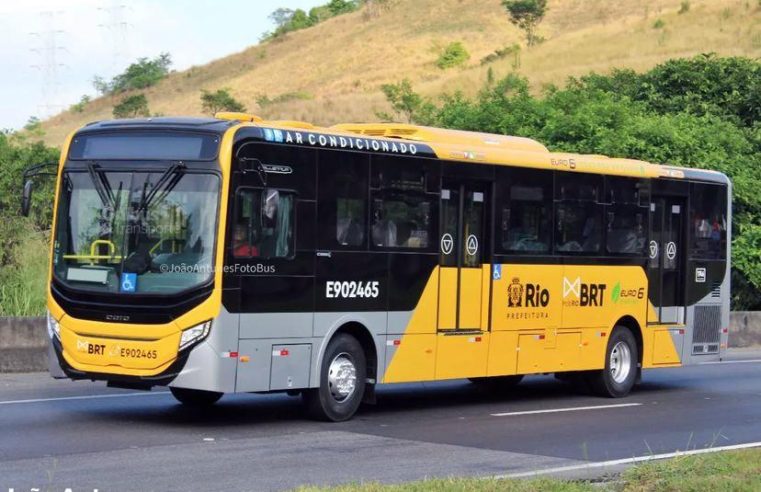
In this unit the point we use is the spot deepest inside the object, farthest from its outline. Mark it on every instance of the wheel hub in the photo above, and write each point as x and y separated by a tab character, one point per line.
620	362
342	377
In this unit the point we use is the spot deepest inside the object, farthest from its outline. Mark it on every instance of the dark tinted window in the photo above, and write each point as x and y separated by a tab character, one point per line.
525	211
145	145
625	229
578	186
403	211
626	190
342	203
708	221
578	215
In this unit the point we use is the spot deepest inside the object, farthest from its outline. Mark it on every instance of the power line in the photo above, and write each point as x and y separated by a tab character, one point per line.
49	49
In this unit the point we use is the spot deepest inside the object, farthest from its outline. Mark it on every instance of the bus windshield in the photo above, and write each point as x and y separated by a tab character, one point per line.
135	232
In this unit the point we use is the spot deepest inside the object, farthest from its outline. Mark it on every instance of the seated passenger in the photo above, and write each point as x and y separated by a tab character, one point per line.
241	246
384	230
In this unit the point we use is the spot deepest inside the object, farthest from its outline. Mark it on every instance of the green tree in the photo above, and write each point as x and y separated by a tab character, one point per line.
526	14
281	17
220	100
132	107
405	102
143	73
338	7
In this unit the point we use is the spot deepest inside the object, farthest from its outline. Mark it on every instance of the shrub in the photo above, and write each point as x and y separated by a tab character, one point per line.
513	50
80	106
453	55
132	107
659	24
684	7
221	100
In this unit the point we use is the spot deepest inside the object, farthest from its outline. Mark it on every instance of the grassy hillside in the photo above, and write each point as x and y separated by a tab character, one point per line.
332	72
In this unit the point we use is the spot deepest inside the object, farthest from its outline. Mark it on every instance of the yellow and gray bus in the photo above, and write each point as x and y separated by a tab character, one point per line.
233	254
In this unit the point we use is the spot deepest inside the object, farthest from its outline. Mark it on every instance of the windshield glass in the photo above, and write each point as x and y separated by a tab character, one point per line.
135	232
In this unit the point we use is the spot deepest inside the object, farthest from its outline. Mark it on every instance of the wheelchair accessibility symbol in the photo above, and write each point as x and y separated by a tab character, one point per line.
128	282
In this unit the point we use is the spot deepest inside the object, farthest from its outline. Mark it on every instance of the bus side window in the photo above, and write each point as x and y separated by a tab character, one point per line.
404	213
625	216
525	211
578	213
264	224
708	221
342	203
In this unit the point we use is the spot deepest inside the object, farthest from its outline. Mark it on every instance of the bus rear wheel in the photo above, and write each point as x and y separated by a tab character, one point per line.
342	381
195	398
620	373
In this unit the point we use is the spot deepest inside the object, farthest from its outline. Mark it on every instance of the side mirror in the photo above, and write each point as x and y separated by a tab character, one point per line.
26	198
30	173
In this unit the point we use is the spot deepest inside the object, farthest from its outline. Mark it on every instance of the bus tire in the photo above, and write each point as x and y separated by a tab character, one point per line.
496	383
620	373
343	376
195	398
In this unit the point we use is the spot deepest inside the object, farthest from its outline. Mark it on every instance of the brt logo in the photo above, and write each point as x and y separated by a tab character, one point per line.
528	295
577	293
90	348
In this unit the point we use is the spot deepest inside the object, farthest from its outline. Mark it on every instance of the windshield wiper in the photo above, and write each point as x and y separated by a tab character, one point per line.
166	182
102	186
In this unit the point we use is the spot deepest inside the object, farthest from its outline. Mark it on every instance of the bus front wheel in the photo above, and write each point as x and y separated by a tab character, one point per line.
195	398
342	381
620	373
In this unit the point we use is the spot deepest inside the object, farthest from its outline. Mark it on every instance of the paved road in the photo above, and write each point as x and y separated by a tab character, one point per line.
59	434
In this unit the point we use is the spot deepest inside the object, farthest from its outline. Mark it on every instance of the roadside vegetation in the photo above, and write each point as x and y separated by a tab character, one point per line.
23	241
725	471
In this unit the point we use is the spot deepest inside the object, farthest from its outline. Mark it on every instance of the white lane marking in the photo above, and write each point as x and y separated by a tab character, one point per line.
570	409
629	461
744	361
83	397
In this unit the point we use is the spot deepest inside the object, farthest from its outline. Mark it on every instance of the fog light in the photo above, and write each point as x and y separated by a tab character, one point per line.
54	329
194	334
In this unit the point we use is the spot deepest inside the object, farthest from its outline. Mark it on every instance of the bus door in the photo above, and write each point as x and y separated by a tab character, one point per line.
462	251
667	250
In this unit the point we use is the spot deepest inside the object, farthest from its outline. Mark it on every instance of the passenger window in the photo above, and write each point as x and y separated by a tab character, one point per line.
708	221
264	224
342	200
402	220
626	215
526	212
625	231
578	215
403	212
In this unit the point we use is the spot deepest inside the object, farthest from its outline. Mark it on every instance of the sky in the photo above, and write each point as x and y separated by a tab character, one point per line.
50	50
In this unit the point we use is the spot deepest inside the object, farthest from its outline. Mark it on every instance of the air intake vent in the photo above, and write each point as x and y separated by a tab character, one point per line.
716	290
706	330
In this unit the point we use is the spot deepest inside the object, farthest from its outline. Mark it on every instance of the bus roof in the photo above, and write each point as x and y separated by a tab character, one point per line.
446	144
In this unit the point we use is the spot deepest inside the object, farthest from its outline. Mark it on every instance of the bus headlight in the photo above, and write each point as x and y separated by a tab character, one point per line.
54	329
194	334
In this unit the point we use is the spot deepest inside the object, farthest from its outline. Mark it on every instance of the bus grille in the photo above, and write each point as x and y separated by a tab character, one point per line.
706	331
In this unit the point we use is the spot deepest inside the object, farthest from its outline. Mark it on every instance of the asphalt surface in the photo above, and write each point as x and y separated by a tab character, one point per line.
60	434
